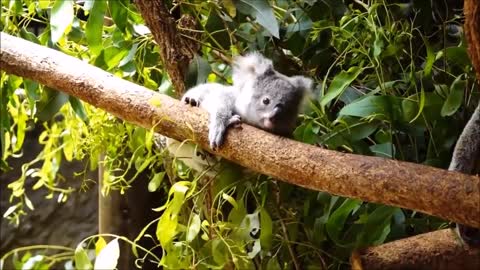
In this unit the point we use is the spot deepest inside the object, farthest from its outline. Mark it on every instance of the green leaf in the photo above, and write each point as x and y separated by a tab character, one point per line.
266	230
50	104
99	245
198	71
61	19
273	264
113	55
383	150
339	83
338	218
81	258
157	179
94	27
119	11
263	13
78	108
166	228
43	4
229	199
427	70
377	226
230	7
193	228
455	97
108	256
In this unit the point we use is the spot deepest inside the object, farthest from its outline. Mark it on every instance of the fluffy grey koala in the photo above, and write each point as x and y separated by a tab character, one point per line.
260	96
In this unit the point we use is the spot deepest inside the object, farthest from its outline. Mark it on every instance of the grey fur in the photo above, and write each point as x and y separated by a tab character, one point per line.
464	159
259	96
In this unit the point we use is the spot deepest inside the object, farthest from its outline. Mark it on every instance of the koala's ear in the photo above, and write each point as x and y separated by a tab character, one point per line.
253	63
303	83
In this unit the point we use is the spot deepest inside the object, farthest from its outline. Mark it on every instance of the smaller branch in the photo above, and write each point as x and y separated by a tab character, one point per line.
441	250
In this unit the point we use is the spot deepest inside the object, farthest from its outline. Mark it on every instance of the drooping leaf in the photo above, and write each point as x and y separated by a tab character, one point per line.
339	83
155	182
266	230
61	19
455	97
263	13
119	11
51	104
99	245
193	228
81	259
94	26
108	256
337	220
78	108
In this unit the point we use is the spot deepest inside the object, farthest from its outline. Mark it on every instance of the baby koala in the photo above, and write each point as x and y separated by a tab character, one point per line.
260	96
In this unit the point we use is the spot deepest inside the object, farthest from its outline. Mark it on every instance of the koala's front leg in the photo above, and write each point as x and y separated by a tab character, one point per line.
218	126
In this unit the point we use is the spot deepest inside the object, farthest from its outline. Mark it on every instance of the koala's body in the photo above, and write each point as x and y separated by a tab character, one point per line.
260	96
465	159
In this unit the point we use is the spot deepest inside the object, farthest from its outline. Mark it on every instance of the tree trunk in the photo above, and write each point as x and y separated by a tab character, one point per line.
176	52
429	190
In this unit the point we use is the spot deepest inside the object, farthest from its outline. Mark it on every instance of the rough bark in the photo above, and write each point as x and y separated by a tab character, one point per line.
440	250
429	190
176	52
471	9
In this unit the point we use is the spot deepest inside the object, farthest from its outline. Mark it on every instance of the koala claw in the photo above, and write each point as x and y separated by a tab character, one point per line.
191	101
235	120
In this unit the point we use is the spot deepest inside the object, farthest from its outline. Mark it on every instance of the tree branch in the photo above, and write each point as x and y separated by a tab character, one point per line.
441	250
429	190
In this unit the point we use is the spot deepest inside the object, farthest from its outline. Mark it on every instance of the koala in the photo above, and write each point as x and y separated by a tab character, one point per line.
260	96
466	156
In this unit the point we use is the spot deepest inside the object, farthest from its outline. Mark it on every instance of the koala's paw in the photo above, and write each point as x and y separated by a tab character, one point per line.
216	135
191	101
235	120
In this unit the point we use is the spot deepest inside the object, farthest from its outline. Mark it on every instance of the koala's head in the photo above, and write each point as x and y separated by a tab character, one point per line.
267	98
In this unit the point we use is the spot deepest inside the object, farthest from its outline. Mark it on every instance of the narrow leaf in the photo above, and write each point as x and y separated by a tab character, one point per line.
339	83
61	18
94	26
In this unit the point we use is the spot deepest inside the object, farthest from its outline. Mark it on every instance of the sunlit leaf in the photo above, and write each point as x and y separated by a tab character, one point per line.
61	18
119	11
81	258
94	26
193	228
155	182
108	256
99	245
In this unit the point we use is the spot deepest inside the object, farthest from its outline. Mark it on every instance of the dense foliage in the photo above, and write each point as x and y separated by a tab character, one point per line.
393	77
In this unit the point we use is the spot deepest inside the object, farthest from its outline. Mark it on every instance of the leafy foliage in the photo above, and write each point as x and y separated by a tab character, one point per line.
394	81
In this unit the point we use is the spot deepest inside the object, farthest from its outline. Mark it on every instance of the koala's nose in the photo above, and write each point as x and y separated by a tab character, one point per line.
277	110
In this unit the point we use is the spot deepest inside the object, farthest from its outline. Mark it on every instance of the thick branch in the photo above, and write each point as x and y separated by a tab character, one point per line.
413	186
435	250
175	51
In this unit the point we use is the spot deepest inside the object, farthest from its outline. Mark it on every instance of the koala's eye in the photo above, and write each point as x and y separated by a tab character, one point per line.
266	101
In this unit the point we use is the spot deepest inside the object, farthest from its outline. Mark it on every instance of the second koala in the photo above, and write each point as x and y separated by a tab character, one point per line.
260	96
